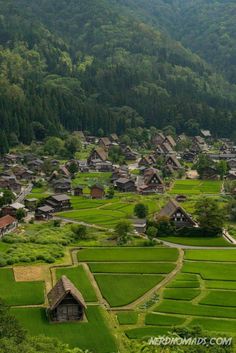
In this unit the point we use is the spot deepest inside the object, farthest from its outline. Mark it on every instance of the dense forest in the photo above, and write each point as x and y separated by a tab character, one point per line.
94	64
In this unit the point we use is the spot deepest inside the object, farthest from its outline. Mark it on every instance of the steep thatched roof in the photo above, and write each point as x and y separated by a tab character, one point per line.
63	287
171	208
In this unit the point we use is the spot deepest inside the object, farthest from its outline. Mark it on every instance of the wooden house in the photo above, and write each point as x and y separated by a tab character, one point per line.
60	202
174	162
11	183
125	185
158	139
44	213
129	154
98	154
232	164
97	191
7	224
12	209
147	161
166	148
169	139
206	134
105	143
78	190
62	185
66	303
140	225
114	138
35	165
176	214
152	182
31	203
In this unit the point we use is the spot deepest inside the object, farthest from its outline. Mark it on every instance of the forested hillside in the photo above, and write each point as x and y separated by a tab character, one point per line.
207	27
89	64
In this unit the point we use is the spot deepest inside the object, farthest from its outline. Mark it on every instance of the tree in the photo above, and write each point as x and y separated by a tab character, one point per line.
110	192
53	146
152	232
141	210
80	231
20	214
39	130
7	198
202	164
9	326
164	226
4	146
209	215
122	231
222	168
72	145
73	168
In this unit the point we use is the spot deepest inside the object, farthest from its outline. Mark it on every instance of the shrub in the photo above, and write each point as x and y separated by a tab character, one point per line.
80	231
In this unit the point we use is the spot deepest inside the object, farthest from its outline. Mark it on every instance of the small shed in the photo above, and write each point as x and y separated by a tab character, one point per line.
97	191
66	303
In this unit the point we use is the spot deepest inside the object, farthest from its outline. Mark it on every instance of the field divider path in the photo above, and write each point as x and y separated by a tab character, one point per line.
159	286
101	300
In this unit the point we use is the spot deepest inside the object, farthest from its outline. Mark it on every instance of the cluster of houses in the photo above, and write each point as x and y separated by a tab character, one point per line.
140	173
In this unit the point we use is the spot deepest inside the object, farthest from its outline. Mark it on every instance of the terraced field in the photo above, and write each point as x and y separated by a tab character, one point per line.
125	274
196	187
203	293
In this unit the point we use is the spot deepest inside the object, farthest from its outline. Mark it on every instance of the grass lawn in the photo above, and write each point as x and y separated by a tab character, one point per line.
227	326
198	241
181	293
79	278
145	332
220	298
121	290
127	317
217	271
187	308
211	255
20	293
163	320
132	267
93	335
128	254
192	187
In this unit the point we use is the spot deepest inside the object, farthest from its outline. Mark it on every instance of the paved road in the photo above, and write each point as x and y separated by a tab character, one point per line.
180	246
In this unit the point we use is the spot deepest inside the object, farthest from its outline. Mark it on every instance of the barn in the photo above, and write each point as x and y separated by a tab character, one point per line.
66	303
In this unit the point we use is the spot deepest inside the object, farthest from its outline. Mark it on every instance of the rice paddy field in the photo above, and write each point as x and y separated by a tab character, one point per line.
109	212
20	293
196	187
203	293
124	275
142	291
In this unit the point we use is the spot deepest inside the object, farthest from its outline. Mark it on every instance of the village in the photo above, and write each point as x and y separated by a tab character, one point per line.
152	212
170	161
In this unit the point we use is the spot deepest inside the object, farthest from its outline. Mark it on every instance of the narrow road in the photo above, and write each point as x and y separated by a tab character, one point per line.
26	191
191	247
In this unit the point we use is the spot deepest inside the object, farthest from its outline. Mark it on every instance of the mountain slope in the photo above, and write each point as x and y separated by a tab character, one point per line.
86	65
207	27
